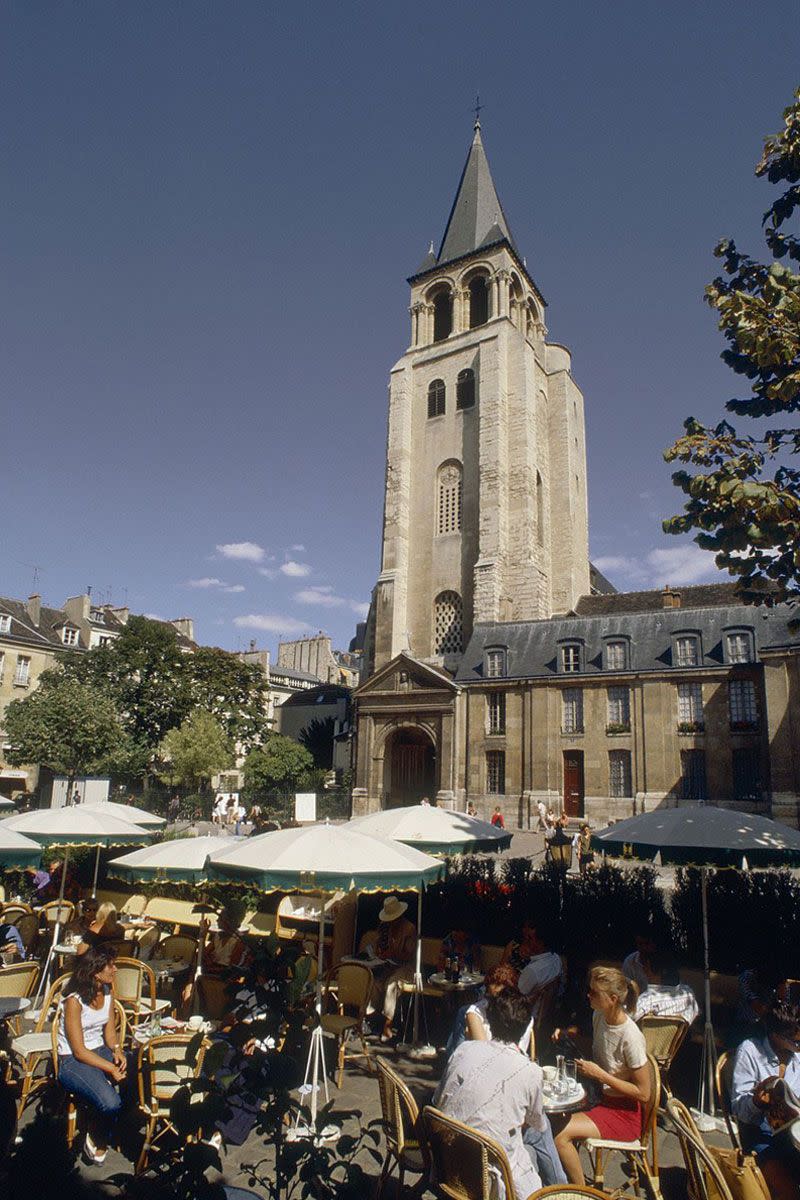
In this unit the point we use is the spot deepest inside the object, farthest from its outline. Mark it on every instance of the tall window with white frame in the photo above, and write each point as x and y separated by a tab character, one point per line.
619	709
619	774
572	710
5	622
449	498
571	658
22	674
69	636
495	663
690	707
742	704
496	772
739	646
496	712
687	653
616	655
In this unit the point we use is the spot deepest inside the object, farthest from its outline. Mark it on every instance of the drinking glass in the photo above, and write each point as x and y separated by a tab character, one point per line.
570	1075
561	1083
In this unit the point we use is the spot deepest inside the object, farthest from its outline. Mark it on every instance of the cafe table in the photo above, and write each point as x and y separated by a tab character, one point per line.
571	1101
465	981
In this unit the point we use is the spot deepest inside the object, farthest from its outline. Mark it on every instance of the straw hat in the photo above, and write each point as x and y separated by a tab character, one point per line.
392	909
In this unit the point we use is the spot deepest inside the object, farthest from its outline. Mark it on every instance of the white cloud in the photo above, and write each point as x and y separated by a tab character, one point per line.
271	623
236	587
267	572
296	569
361	610
248	551
321	596
208	581
684	563
300	549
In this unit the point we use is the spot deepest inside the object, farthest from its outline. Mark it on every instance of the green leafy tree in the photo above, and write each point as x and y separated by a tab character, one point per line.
65	725
279	765
744	500
196	751
235	691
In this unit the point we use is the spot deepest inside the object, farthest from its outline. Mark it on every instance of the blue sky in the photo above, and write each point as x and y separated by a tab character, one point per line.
210	213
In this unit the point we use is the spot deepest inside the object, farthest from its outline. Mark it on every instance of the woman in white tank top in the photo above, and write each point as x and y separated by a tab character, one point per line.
90	1059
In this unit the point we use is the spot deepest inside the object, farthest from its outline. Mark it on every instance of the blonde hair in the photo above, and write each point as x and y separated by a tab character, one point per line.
107	913
613	983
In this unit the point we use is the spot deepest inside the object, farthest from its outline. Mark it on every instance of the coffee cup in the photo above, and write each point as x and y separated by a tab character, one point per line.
196	1022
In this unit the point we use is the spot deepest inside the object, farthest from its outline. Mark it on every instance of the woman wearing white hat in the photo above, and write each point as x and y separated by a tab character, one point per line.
395	944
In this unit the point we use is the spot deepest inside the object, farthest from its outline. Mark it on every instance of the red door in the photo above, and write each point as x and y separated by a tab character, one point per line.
573	783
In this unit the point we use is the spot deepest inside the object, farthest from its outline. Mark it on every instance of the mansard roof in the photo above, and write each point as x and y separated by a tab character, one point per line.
533	646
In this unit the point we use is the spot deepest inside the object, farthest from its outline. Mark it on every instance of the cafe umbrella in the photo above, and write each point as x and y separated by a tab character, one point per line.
124	812
438	831
179	860
705	837
68	828
320	860
16	850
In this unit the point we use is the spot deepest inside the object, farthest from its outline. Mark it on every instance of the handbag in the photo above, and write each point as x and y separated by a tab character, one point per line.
741	1173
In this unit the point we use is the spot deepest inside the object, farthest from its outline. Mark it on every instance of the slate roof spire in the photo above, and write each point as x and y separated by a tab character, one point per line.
476	210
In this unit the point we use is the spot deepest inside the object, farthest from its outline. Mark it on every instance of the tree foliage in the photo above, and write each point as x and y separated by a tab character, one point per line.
743	501
195	751
65	725
233	690
317	737
279	765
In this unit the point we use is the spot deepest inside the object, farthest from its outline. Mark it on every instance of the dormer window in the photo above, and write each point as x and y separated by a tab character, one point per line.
739	646
436	398
495	662
616	655
686	650
97	616
5	623
69	636
571	655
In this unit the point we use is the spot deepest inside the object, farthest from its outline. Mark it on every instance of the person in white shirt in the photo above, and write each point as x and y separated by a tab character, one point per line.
494	1088
759	1063
669	997
638	965
619	1063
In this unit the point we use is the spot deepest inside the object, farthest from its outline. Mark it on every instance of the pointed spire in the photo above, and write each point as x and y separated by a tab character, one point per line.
476	210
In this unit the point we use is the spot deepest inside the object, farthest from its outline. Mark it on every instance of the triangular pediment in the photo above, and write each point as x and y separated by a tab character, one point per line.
403	674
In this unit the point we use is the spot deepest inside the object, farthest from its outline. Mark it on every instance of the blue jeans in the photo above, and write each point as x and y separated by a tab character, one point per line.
92	1084
542	1149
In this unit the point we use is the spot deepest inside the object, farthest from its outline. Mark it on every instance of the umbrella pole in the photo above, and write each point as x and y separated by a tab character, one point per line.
416	1048
51	953
709	1057
315	1063
96	869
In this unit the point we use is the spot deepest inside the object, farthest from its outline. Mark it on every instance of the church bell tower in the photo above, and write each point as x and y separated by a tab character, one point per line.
485	511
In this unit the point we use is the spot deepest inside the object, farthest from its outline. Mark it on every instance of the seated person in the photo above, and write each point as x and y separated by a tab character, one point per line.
638	965
460	944
759	1063
619	1063
85	914
225	952
669	997
495	1089
91	1062
104	928
542	969
521	950
471	1022
396	944
11	945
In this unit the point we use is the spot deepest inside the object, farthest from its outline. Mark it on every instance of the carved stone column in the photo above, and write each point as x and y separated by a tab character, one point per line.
503	281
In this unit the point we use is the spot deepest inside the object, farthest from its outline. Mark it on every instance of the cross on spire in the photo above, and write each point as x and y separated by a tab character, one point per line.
477	111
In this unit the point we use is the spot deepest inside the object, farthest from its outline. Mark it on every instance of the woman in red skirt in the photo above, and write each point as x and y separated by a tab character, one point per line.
618	1062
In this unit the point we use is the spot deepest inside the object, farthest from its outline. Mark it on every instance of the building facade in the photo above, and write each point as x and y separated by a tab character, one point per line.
501	667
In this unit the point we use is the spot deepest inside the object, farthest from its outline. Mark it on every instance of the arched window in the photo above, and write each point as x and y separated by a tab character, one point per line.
478	301
448	631
436	396
449	498
539	510
442	316
465	388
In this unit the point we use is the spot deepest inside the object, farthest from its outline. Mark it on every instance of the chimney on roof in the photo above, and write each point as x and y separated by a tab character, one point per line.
121	614
671	599
252	644
185	626
34	608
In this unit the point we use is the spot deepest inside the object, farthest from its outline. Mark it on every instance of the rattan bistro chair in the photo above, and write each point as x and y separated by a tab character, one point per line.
663	1037
401	1126
703	1177
165	1064
466	1164
642	1155
349	985
135	988
31	1050
567	1191
16	982
723	1083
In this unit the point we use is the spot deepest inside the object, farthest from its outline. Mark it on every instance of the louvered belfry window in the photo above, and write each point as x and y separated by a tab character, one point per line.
449	498
448	623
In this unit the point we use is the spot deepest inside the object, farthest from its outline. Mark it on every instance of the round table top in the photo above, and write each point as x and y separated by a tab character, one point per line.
467	979
562	1104
11	1005
63	948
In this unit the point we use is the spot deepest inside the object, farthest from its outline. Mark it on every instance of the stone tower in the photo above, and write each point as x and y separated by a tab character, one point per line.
485	511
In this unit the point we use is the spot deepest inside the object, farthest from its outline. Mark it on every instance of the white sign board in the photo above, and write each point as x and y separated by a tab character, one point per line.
84	791
305	806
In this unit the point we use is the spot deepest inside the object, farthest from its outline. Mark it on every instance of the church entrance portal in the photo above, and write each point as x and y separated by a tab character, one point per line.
410	769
